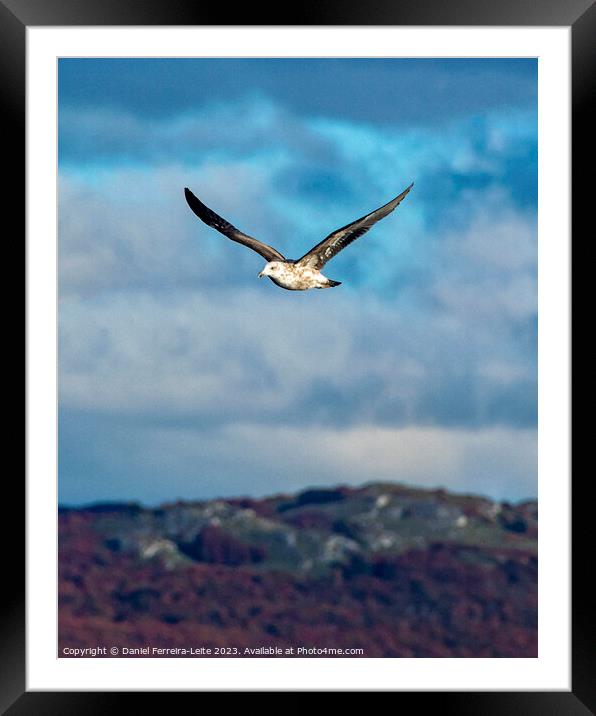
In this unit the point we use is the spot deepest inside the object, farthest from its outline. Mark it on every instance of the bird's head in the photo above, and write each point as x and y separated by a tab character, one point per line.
271	268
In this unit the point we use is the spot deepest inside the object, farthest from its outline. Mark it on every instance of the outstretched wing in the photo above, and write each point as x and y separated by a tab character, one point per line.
318	256
224	227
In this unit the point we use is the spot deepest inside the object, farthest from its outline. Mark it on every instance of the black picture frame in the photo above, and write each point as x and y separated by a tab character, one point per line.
580	15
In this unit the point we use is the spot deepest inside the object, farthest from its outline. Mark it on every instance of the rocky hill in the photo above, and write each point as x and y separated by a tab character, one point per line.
388	569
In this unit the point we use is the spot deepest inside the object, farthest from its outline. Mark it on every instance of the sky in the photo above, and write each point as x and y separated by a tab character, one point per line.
181	375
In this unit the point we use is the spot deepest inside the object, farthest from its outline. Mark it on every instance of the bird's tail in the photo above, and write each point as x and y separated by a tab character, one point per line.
332	283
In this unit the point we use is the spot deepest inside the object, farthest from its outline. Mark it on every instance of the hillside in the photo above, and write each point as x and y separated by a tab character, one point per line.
388	569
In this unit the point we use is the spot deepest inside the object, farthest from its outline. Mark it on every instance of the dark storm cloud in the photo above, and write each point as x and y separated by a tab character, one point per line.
385	91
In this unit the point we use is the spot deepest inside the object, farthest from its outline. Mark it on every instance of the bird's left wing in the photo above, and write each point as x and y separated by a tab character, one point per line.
318	256
224	227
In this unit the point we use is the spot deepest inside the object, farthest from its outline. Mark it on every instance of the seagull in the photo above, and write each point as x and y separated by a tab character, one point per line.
303	273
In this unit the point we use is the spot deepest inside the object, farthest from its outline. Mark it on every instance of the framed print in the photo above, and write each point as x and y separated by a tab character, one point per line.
255	485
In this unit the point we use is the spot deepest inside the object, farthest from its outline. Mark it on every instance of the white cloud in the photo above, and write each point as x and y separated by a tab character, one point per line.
421	364
268	356
245	459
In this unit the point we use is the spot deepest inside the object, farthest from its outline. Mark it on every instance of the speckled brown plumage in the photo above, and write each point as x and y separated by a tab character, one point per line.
305	273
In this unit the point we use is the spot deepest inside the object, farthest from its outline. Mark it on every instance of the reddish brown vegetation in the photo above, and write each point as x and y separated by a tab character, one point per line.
443	600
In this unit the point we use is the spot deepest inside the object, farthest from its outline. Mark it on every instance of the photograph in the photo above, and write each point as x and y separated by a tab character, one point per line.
253	466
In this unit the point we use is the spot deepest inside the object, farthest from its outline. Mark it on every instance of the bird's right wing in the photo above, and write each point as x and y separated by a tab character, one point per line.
224	227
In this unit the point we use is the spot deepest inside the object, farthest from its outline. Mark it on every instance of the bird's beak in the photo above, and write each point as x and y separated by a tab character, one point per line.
261	275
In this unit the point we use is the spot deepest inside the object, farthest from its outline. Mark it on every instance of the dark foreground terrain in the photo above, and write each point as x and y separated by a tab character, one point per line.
388	569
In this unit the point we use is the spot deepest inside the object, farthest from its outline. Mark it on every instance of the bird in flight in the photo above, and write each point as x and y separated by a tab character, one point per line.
305	272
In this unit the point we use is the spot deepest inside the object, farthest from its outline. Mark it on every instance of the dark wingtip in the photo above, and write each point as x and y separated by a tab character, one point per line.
193	202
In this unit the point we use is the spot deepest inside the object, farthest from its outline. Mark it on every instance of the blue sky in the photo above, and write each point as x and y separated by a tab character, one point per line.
182	375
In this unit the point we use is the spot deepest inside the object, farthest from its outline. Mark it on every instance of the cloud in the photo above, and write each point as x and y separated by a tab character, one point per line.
107	136
125	224
128	460
297	359
167	340
130	229
384	91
